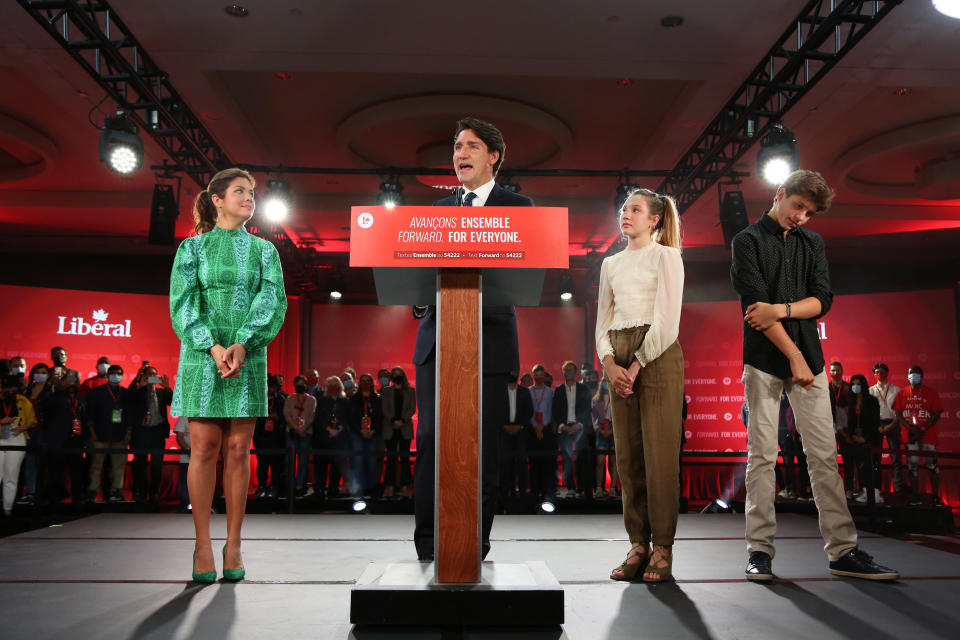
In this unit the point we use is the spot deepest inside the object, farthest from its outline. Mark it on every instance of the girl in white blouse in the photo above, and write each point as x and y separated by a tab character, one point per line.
638	320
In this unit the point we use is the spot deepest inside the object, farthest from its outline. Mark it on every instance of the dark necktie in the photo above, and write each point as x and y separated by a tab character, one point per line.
469	198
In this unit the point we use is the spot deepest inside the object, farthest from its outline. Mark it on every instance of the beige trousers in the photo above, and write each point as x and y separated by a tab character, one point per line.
647	427
811	408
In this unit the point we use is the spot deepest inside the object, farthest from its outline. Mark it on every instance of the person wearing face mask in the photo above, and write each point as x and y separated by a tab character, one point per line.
863	425
542	441
16	418
605	448
399	403
312	378
349	378
18	367
299	412
918	410
270	433
638	325
781	274
514	438
150	400
36	388
574	429
886	393
98	380
366	418
59	357
331	432
109	420
65	417
846	443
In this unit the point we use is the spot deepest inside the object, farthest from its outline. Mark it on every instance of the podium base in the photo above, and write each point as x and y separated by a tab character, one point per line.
508	595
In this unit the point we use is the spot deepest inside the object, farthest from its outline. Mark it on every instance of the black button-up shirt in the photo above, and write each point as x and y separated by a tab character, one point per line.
770	268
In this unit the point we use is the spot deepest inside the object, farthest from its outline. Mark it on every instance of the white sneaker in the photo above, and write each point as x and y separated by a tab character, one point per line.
783	493
849	495
861	497
562	493
877	496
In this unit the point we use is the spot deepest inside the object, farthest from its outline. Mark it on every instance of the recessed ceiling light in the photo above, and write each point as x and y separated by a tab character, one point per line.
902	91
236	11
281	75
624	82
671	21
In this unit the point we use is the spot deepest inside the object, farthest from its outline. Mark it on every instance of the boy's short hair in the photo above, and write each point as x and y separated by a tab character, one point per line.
809	184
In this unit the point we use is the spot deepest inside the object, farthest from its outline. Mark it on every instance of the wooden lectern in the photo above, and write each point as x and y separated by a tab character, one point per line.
445	268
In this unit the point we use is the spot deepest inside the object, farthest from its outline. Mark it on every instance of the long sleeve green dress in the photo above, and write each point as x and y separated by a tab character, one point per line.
226	287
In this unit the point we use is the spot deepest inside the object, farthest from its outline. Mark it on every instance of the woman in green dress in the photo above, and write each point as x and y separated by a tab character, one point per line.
227	302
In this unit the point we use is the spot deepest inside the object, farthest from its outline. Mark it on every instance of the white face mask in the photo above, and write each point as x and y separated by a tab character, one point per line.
18	371
115	378
40	378
102	368
856	388
915	378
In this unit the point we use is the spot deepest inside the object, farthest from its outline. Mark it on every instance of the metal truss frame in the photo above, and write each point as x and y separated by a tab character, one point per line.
822	33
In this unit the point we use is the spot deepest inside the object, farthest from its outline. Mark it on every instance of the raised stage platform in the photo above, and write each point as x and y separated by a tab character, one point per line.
123	576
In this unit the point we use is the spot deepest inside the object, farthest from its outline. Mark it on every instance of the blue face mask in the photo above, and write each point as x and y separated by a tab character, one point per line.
115	378
569	375
348	384
384	382
40	378
856	389
915	378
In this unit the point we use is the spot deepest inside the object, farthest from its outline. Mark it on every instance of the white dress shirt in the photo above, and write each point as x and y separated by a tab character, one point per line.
638	287
512	397
885	397
571	402
482	192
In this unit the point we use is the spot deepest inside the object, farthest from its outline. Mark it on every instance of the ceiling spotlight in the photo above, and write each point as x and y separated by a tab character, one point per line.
949	8
624	189
336	285
391	194
777	158
278	201
121	149
566	287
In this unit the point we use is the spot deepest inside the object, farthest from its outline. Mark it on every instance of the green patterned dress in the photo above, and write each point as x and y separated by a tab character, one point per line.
226	287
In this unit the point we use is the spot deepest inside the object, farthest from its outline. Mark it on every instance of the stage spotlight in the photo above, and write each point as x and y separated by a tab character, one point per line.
778	155
547	507
949	8
624	189
391	194
360	506
278	201
566	287
121	149
336	286
718	506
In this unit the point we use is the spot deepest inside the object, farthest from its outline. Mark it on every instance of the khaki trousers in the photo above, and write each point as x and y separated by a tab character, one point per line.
647	427
811	408
118	462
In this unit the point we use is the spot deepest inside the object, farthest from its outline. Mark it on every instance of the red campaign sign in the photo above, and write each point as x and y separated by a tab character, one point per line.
515	237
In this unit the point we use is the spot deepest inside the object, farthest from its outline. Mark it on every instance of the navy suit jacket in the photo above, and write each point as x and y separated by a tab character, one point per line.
501	348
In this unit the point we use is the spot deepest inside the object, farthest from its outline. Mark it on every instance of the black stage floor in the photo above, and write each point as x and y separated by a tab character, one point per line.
123	576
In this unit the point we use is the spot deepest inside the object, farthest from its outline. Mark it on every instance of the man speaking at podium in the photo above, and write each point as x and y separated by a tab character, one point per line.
478	151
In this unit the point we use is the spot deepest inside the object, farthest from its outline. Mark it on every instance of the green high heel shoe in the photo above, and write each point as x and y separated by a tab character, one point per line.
231	574
206	577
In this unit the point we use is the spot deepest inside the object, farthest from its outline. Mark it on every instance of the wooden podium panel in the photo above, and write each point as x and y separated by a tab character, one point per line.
458	422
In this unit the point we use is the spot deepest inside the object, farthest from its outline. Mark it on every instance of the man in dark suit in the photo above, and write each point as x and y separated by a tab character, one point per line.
478	151
573	423
513	437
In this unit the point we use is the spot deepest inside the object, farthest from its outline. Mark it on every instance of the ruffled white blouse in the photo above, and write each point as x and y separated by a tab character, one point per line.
638	287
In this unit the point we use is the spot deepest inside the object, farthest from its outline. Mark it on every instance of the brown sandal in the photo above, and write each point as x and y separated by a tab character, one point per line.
629	569
664	573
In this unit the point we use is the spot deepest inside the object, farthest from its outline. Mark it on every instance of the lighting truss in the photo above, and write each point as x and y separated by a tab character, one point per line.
95	36
822	33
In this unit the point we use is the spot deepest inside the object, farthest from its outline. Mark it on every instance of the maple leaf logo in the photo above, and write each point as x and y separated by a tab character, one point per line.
100	315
